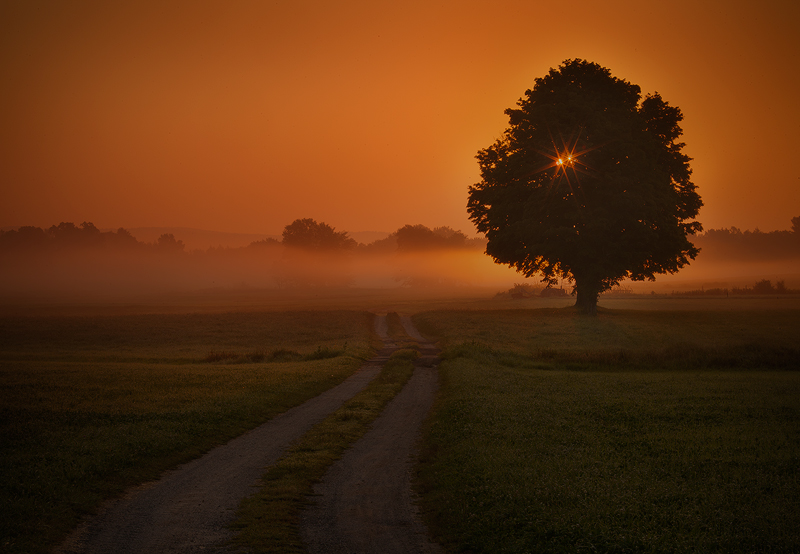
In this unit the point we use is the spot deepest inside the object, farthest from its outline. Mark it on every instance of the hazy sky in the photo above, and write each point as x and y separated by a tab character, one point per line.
367	114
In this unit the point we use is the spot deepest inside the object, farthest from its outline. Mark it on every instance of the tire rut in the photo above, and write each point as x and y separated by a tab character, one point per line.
365	503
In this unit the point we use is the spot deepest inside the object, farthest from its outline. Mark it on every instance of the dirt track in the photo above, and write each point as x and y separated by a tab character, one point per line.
189	508
364	503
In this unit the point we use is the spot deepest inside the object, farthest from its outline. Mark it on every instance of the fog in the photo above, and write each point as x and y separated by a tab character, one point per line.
706	273
82	264
91	275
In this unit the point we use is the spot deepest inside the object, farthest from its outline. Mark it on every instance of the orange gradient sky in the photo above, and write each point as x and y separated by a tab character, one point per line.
243	116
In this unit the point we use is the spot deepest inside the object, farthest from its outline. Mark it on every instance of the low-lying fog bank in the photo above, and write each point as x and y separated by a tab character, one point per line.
69	263
91	276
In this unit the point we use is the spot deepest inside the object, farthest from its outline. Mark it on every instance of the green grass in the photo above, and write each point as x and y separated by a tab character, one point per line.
269	520
564	330
92	405
629	432
179	338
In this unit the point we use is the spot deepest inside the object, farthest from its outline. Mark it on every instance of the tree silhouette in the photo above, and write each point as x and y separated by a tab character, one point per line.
122	239
420	237
310	235
25	238
588	183
736	244
168	243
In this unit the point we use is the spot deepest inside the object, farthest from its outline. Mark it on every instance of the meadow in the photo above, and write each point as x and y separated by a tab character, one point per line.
90	405
635	431
670	428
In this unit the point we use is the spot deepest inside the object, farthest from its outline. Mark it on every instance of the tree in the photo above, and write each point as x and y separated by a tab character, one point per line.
420	237
587	184
310	235
168	243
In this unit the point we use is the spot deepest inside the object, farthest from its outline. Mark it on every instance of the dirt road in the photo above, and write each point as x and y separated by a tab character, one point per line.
364	504
189	508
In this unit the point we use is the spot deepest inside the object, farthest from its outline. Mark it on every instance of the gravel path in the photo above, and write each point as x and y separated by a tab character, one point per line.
364	504
189	508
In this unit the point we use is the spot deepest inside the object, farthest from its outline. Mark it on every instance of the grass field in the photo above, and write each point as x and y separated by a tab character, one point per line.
91	405
634	431
672	426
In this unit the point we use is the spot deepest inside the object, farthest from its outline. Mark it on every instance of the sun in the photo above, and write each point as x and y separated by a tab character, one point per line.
567	162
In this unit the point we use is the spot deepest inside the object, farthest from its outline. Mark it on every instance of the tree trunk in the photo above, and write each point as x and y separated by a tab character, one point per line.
587	294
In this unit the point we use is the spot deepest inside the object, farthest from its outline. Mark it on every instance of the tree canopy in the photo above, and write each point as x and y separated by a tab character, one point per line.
420	237
588	183
65	235
310	235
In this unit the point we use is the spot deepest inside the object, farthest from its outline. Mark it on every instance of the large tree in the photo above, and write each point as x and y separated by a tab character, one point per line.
587	184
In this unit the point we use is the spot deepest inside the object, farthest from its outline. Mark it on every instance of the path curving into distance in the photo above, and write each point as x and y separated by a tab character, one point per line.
189	508
364	504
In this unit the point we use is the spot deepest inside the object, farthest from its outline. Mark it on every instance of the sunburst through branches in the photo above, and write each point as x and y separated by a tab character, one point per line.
566	159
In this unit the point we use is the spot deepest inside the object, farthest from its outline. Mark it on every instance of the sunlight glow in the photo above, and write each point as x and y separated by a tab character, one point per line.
564	157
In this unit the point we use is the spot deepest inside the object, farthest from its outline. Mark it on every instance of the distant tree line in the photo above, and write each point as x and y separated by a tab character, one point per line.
302	234
307	234
735	244
414	238
764	286
312	236
83	236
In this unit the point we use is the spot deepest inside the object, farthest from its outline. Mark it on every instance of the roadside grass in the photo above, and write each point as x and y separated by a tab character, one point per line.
268	521
564	330
629	432
92	405
178	338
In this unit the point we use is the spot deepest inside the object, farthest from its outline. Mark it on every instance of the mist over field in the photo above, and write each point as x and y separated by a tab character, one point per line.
81	263
114	265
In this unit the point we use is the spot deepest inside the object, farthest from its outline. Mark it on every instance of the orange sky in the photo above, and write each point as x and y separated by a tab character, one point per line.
366	114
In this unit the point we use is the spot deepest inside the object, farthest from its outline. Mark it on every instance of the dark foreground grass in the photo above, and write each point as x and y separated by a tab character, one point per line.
268	522
615	443
90	406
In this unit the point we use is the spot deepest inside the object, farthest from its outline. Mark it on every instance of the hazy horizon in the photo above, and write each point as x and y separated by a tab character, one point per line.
204	238
85	264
